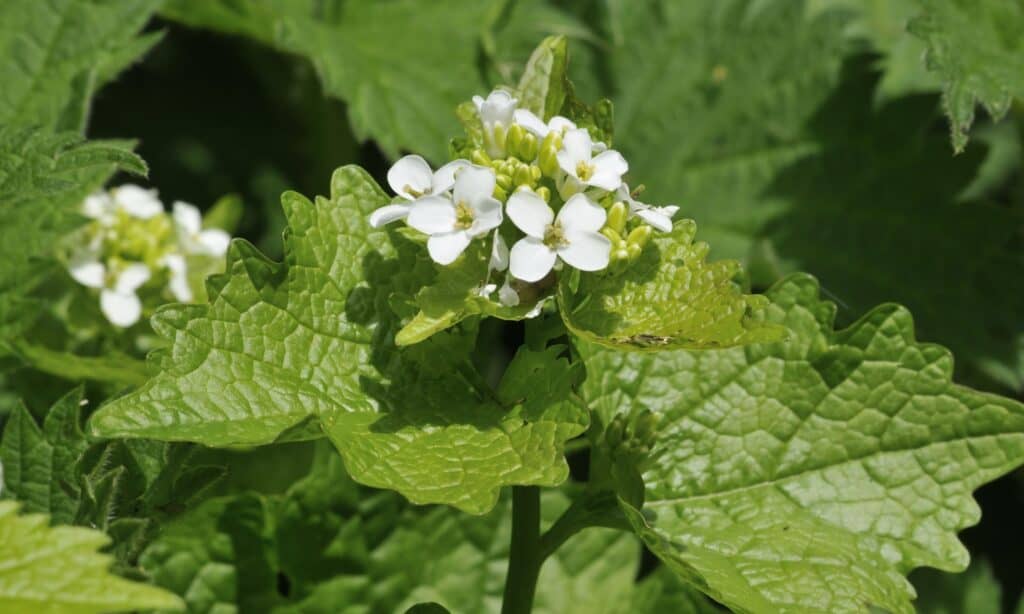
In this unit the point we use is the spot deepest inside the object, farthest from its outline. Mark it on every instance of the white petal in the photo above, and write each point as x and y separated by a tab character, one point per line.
187	218
432	215
133	276
498	108
655	218
580	214
474	183
609	167
445	248
388	214
138	202
529	213
410	177
478	102
561	124
444	177
486	290
586	251
486	215
86	269
531	122
121	309
499	253
577	146
178	283
530	260
507	295
97	205
214	241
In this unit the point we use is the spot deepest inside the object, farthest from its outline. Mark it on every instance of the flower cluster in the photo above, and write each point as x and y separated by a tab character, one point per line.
563	192
132	244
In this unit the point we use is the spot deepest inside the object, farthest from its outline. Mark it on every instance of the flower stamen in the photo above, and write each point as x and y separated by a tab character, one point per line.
464	216
554	236
584	170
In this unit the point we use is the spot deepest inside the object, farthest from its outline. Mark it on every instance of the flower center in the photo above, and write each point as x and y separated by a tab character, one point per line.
414	192
463	216
554	237
584	170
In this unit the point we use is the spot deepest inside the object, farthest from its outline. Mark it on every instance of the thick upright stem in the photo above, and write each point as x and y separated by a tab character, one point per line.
524	555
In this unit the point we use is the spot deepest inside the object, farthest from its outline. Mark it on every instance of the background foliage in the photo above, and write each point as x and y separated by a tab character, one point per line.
876	144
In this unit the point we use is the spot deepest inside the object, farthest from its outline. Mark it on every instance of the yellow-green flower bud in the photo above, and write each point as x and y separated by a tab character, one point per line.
528	147
640	235
620	254
523	176
504	181
544	193
633	251
480	157
514	138
617	215
535	173
614	237
547	157
500	193
499	136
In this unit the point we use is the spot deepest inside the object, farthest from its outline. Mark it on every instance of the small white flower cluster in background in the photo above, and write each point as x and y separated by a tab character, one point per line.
563	192
132	243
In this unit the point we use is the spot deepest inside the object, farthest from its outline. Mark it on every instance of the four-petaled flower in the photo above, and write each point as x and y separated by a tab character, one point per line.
658	217
572	236
452	222
496	113
577	160
412	179
118	300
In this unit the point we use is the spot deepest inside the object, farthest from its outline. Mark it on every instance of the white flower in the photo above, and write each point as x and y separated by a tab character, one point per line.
658	217
577	159
412	179
572	236
496	113
193	239
178	283
452	222
532	123
136	201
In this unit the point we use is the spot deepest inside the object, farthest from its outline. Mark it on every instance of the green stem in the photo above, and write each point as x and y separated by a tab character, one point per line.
524	554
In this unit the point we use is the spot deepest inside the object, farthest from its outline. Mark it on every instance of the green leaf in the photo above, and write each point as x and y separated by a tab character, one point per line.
280	345
55	55
977	48
60	570
882	24
39	464
455	296
812	473
670	298
339	547
542	87
382	58
663	591
711	101
876	217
